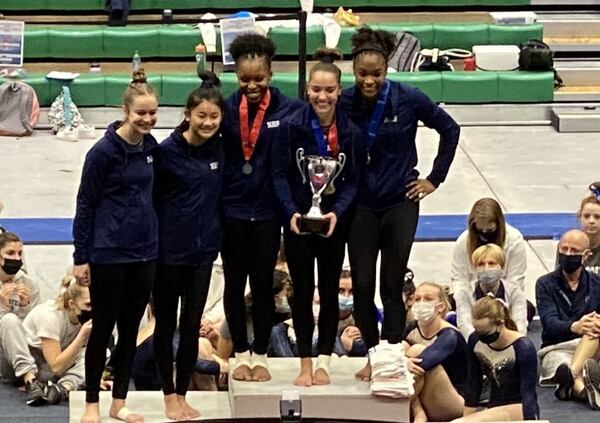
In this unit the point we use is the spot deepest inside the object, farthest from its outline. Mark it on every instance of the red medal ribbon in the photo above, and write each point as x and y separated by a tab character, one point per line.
248	135
332	140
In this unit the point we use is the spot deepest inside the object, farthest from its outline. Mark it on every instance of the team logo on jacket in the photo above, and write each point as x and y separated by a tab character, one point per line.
149	159
273	124
393	119
214	165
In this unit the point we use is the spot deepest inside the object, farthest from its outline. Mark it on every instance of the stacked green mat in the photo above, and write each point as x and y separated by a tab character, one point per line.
449	87
141	5
97	42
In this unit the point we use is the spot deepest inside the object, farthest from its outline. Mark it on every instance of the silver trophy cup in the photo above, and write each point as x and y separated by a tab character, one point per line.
320	172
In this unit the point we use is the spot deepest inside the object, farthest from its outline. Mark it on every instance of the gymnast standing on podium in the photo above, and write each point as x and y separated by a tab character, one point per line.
387	209
319	129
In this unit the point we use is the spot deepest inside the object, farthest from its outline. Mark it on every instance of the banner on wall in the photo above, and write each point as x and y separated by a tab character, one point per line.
11	43
231	28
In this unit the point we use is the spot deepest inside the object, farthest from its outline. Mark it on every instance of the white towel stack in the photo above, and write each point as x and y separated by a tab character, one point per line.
389	375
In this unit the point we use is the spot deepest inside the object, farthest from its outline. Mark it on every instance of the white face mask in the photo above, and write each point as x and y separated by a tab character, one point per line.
424	311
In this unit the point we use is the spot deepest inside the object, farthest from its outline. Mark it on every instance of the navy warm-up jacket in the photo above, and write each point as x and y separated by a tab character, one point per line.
295	196
187	188
251	197
115	220
394	153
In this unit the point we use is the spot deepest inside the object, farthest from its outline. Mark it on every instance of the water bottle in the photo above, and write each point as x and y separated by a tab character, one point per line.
136	63
200	58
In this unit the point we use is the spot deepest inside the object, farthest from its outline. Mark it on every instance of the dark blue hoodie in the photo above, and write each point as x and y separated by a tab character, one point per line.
295	196
188	182
251	197
115	221
394	153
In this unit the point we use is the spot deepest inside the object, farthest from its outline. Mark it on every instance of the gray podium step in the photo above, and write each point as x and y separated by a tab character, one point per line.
344	398
576	119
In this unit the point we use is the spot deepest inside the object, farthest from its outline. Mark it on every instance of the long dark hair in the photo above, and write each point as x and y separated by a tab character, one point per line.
487	208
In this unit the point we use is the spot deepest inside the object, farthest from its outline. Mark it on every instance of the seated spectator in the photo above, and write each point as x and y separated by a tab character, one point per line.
348	341
486	225
57	332
502	368
18	296
568	301
591	378
589	218
437	355
489	261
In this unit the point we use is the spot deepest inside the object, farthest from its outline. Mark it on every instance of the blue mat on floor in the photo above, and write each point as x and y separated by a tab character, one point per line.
431	227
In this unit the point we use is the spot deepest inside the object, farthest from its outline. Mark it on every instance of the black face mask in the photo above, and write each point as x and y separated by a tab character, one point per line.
12	266
489	338
569	263
84	316
486	237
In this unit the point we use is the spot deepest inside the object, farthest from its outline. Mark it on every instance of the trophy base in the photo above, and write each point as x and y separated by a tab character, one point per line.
313	225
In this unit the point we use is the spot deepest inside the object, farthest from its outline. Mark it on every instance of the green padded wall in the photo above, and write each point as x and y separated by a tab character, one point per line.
35	42
521	87
177	40
98	5
75	41
463	36
449	87
176	87
469	87
286	39
514	34
122	42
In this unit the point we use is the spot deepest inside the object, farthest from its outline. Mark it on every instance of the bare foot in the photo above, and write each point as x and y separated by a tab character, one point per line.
91	413
260	374
242	372
304	378
190	412
173	409
320	377
364	374
119	411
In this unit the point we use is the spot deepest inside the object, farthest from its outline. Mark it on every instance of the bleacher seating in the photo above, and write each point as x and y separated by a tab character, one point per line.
97	42
141	5
448	87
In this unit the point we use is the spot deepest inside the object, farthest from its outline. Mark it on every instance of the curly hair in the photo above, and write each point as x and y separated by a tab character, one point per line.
251	46
367	39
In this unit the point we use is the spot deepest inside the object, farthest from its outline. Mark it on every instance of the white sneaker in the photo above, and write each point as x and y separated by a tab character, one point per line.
86	131
68	134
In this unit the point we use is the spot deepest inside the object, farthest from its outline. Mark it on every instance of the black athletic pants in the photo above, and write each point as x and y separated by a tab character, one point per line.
190	283
250	249
392	232
301	252
119	294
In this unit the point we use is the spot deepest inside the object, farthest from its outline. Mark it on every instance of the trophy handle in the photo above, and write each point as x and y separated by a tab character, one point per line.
341	162
300	163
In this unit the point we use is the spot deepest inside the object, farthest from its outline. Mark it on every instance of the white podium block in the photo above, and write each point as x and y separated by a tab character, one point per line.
150	404
345	398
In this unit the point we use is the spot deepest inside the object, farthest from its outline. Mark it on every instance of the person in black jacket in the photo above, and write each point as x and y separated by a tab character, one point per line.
116	242
318	129
189	169
390	189
251	226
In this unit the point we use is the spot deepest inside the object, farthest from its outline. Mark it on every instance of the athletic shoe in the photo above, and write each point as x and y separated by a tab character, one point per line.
564	378
56	393
591	378
86	132
36	394
68	134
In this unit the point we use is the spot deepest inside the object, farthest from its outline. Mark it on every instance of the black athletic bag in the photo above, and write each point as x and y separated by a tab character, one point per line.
536	56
